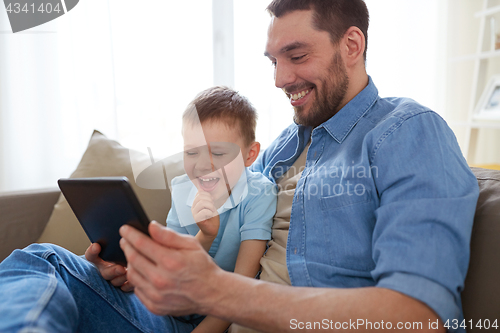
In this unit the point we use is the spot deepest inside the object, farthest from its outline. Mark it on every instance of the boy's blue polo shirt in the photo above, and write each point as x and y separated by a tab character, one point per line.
249	215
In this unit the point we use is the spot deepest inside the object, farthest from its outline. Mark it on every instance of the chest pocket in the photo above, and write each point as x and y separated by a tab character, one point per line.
334	202
347	227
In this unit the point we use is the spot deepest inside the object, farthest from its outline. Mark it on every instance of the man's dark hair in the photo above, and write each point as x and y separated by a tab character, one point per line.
225	105
332	16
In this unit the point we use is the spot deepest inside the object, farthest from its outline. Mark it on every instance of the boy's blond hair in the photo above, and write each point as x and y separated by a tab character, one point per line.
225	105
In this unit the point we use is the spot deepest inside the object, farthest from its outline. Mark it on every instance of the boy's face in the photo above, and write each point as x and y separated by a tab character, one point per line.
214	157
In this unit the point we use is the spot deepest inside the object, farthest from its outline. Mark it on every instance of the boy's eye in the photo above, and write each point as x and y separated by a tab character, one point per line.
191	153
218	154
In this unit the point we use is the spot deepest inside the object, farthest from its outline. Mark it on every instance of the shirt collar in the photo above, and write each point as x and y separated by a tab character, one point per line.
341	124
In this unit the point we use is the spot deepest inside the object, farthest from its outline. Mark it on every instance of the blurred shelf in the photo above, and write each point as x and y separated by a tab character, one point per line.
481	59
492	125
480	56
487	12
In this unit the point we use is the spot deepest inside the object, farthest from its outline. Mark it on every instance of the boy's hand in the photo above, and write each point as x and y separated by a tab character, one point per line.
116	274
205	214
206	217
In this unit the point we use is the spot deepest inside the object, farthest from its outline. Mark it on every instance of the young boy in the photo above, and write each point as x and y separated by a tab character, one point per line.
228	208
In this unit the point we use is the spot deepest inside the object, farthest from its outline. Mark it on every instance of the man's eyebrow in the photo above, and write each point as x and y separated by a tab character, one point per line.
289	47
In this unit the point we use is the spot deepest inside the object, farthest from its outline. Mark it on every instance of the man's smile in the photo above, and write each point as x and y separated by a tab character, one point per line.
299	97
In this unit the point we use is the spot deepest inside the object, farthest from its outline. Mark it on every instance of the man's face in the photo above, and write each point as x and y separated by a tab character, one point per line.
308	67
213	157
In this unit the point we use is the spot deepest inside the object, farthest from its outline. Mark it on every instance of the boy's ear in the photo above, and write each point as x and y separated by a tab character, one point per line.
253	153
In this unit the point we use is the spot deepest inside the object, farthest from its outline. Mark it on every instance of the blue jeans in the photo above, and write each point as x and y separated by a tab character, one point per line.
45	288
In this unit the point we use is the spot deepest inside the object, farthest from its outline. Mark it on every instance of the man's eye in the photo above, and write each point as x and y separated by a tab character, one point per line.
191	153
297	58
218	154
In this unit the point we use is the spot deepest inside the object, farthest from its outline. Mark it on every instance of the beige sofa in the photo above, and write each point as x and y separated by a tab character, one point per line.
31	216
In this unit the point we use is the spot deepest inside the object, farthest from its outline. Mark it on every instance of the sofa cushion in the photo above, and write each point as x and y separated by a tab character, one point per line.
23	216
106	158
481	295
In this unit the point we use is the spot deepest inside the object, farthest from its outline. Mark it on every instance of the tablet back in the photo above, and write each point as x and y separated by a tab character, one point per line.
102	206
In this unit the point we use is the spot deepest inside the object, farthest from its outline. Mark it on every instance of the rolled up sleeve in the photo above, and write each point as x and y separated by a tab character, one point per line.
423	225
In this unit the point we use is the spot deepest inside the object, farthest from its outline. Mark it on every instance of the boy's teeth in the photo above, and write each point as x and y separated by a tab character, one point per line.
299	95
207	179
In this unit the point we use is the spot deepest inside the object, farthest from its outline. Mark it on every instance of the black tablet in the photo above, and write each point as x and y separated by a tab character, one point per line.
102	206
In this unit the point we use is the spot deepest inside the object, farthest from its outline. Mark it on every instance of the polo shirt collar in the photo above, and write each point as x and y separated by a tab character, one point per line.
341	124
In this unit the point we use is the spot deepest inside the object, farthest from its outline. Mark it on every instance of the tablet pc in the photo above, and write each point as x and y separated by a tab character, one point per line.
102	206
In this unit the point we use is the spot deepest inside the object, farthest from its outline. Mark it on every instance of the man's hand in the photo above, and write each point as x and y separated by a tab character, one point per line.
206	217
172	274
116	274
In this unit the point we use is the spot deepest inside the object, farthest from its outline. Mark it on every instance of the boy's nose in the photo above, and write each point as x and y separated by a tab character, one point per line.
204	163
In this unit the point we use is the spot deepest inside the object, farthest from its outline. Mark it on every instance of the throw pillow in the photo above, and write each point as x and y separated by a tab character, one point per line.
107	158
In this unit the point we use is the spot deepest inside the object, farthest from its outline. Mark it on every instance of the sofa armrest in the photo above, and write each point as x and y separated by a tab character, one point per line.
481	295
23	216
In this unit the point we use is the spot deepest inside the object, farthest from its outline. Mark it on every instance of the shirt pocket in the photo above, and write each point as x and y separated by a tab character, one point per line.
348	222
340	201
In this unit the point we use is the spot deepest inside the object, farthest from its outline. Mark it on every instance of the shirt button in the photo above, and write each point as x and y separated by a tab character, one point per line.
295	251
315	153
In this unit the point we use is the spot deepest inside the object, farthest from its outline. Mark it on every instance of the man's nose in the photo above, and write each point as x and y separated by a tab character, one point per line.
283	75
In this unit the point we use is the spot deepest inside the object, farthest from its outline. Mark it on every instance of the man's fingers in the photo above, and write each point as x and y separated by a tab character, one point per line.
92	253
139	268
127	287
108	270
140	243
119	280
136	259
170	238
111	271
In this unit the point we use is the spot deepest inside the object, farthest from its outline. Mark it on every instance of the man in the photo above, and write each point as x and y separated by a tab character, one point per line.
383	201
377	236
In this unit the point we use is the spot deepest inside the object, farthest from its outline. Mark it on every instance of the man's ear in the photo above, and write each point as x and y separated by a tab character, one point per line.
354	46
252	154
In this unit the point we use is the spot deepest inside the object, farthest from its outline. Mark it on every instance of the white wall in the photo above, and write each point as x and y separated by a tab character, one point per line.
145	81
104	66
463	28
406	57
406	54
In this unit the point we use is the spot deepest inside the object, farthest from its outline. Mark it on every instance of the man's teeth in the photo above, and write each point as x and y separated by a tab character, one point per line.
208	179
299	95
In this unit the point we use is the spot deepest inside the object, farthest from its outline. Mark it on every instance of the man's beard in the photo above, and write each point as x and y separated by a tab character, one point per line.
327	100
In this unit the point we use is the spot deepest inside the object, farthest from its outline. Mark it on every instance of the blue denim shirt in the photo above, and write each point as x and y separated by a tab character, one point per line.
386	199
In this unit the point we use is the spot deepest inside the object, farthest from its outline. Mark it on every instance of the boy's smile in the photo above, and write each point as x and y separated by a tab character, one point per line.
208	183
213	158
